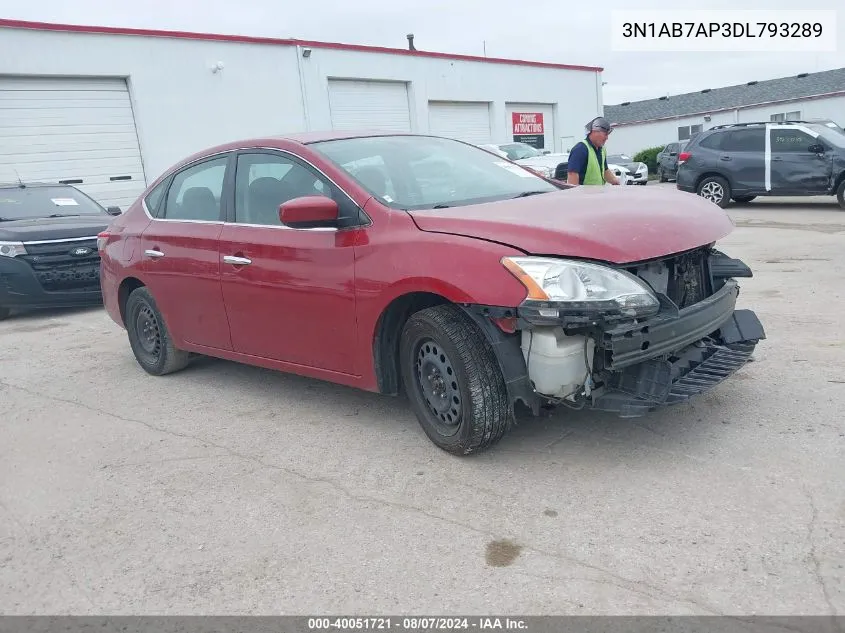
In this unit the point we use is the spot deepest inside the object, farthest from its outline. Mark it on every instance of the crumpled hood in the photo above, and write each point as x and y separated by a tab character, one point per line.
53	228
615	224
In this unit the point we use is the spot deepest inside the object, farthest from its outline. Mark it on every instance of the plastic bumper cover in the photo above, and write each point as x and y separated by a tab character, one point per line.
20	288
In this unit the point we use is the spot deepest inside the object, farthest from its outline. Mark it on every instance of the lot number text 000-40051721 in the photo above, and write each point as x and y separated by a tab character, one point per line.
724	31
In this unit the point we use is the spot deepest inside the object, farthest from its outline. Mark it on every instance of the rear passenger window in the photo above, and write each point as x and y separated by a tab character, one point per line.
745	140
792	140
196	191
714	141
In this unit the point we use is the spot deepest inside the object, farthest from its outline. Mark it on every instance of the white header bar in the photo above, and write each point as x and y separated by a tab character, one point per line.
740	31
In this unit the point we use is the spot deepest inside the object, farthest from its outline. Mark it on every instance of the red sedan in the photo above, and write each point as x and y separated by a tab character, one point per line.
412	264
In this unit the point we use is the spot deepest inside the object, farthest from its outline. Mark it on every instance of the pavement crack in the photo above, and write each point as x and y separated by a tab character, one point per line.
626	582
817	565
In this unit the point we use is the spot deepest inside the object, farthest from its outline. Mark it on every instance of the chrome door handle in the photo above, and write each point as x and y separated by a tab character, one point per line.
153	253
240	261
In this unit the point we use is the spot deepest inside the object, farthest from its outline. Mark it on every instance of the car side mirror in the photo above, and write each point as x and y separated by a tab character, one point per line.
816	148
309	210
545	151
673	153
113	211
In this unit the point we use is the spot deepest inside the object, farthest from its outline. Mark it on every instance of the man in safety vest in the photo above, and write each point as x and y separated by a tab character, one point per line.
588	159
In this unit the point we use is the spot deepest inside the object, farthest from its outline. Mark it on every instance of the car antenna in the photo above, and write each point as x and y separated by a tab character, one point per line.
20	181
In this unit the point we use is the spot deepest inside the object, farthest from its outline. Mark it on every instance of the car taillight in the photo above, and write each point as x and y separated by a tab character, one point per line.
684	157
102	238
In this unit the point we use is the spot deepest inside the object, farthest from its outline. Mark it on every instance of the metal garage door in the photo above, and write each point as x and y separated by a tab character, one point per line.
369	105
465	121
77	130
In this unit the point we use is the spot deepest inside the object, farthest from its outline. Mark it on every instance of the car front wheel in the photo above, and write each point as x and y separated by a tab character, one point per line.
840	194
715	189
4	313
149	337
453	381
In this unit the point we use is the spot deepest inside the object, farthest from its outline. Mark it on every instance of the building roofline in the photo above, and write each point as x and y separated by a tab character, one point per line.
249	39
674	117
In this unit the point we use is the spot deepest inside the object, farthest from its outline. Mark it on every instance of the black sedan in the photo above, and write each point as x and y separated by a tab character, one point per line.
48	246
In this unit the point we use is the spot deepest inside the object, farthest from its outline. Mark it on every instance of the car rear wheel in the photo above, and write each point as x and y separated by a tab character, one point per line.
715	189
4	313
453	381
840	194
149	337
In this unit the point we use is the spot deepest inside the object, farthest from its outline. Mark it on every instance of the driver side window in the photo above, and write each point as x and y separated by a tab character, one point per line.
264	181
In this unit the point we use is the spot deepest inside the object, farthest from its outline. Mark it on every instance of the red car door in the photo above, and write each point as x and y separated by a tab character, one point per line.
181	265
289	293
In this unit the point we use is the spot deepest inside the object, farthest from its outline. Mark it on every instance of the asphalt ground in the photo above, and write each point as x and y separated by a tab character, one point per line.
227	489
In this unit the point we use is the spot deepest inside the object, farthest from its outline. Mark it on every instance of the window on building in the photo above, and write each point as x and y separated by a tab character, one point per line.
686	132
786	116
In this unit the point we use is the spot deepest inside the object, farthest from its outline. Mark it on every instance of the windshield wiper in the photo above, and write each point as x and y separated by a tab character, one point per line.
441	206
525	194
64	215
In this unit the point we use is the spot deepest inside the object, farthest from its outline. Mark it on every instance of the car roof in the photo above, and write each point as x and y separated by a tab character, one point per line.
33	185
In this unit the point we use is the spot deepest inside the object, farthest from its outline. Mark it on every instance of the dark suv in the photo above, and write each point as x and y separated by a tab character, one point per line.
744	160
48	246
667	161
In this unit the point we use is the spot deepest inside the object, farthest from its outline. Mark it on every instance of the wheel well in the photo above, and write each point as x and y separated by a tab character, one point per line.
388	331
126	287
710	174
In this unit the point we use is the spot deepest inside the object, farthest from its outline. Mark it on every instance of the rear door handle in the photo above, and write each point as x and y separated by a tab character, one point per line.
777	158
239	261
151	252
724	158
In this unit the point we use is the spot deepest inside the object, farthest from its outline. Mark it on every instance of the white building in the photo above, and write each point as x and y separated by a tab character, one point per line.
656	122
110	109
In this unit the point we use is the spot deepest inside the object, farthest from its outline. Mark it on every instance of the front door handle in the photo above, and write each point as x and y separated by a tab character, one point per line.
151	252
238	261
724	158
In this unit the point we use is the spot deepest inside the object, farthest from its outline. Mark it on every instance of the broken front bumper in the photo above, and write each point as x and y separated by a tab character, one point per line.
676	355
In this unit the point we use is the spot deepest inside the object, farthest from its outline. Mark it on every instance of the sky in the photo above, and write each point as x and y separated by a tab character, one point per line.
558	31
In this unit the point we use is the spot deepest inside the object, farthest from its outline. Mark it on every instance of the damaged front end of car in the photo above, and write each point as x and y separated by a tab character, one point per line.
623	339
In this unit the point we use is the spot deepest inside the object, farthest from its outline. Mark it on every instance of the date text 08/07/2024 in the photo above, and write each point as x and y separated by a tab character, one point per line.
722	29
416	624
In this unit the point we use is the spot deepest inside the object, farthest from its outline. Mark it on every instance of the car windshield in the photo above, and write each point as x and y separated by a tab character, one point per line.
619	158
829	134
519	151
418	172
24	203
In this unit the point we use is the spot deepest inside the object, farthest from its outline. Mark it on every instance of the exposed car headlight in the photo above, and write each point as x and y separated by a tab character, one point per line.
12	249
582	288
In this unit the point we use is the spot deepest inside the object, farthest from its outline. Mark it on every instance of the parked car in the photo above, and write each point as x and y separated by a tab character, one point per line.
667	161
48	246
544	162
637	171
744	160
551	165
429	267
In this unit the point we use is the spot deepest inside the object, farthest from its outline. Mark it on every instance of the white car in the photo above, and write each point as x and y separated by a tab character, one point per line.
637	171
548	164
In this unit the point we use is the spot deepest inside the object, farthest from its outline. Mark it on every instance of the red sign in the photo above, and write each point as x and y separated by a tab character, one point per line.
527	123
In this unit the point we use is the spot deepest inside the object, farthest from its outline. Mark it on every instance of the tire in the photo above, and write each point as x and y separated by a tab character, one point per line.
661	176
149	337
840	194
443	342
4	313
716	189
744	199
